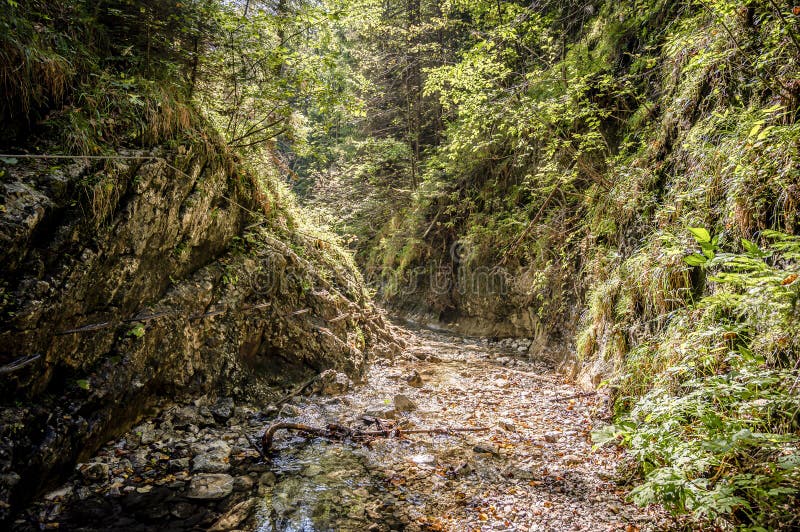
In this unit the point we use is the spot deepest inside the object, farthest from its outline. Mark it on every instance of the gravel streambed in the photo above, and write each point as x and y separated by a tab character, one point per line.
194	467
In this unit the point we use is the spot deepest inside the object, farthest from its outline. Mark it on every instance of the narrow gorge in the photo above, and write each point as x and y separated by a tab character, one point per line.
474	265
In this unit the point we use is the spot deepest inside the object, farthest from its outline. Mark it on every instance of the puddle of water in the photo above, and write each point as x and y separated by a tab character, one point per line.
322	486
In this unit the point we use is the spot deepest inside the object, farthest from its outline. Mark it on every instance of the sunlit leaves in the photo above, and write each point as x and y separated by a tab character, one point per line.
271	70
695	259
714	432
701	235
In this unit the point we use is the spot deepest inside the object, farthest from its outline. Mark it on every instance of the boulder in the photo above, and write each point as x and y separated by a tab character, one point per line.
380	411
222	410
234	517
211	458
403	403
94	471
243	483
415	380
211	486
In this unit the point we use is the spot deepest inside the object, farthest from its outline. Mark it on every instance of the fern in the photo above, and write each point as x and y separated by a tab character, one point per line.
717	434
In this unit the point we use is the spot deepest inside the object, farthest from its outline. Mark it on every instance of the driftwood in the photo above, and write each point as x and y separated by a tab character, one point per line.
341	433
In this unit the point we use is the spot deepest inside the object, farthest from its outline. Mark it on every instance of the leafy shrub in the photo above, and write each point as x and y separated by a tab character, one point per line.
717	434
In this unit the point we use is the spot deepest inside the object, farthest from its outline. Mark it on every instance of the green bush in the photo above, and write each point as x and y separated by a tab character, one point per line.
717	433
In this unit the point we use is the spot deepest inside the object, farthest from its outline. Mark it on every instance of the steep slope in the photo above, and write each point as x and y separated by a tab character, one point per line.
181	287
566	182
160	266
621	179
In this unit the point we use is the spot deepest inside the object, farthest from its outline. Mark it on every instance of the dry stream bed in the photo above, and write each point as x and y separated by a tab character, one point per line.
194	466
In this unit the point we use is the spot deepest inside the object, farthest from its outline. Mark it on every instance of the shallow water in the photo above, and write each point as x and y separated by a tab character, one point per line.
320	486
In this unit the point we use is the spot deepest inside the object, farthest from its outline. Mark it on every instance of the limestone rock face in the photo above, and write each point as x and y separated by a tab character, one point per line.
128	283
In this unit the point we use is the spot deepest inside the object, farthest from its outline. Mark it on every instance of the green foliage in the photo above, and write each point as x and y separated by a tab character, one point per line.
708	247
716	434
230	278
578	165
272	70
137	331
50	51
568	145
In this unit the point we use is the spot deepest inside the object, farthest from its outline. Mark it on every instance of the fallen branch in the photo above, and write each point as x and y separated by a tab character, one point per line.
576	396
86	328
148	317
210	313
340	317
269	434
256	307
297	391
19	364
255	445
340	433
